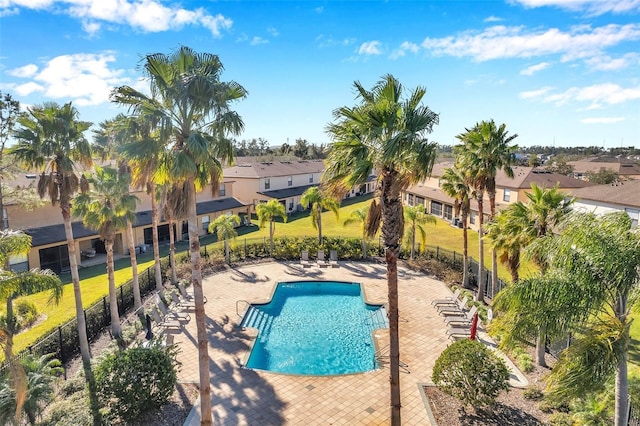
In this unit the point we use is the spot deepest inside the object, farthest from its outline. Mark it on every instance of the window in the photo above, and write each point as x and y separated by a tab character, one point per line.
448	212
436	208
222	190
290	181
507	195
5	218
311	178
267	183
472	218
205	223
410	199
291	205
419	201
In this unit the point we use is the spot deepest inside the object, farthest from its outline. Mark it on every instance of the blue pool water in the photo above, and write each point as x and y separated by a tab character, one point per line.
315	328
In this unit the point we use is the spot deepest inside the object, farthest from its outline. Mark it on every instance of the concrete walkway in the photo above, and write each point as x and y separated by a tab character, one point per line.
243	396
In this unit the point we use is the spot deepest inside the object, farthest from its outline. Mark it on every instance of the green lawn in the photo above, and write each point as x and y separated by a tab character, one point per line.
94	281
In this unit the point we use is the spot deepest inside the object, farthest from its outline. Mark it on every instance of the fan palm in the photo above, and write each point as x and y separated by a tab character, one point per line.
51	138
360	216
267	212
415	218
190	109
16	284
317	200
107	208
455	184
385	133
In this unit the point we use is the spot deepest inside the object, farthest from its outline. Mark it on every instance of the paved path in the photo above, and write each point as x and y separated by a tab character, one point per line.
242	396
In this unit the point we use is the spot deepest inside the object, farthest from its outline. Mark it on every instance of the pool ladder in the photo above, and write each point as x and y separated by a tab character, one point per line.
247	305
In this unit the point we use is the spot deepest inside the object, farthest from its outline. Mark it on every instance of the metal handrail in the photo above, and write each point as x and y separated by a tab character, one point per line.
238	306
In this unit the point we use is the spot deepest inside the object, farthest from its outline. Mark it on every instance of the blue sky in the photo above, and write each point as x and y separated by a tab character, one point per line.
554	71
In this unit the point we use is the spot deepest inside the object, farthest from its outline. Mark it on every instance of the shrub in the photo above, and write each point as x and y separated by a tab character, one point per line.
135	380
471	372
560	419
26	313
532	393
525	362
70	410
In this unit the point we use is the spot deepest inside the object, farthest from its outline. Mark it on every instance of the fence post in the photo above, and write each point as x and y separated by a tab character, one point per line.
121	301
86	326
104	309
246	253
60	344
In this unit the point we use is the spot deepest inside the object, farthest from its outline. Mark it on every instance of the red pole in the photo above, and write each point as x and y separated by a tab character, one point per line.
474	326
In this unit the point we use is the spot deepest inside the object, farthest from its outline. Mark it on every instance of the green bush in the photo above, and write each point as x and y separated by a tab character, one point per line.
532	393
135	380
73	409
471	372
26	313
525	362
560	419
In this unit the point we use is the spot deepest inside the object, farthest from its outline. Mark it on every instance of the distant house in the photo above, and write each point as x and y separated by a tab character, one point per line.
602	199
624	168
508	190
49	245
257	181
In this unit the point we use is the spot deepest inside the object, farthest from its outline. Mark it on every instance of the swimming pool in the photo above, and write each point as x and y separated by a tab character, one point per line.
315	328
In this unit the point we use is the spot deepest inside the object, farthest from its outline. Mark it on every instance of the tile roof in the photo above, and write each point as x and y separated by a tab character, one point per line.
286	192
621	167
625	193
256	170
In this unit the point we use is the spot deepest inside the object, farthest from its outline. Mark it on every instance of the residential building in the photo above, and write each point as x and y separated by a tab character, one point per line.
602	199
508	190
624	168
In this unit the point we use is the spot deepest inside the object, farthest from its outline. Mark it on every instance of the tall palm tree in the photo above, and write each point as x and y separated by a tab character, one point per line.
455	184
484	152
13	285
144	151
598	262
385	133
506	235
107	208
51	138
224	226
267	212
107	140
360	216
315	198
190	108
416	217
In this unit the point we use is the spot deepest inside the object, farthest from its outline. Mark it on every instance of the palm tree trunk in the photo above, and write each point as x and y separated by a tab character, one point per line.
364	246
137	300
172	253
17	376
413	239
227	252
271	229
481	283
116	329
540	349
391	231
494	253
83	341
319	224
621	391
154	231
198	296
465	252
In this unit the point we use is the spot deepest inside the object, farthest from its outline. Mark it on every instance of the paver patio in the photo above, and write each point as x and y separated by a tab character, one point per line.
243	396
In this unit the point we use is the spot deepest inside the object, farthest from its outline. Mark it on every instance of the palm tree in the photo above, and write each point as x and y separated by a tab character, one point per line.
416	217
484	152
315	198
190	109
455	184
175	210
267	212
385	133
224	226
13	285
360	216
506	235
107	208
51	139
597	261
107	140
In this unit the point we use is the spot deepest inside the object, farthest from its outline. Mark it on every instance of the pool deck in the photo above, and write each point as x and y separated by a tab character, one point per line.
243	396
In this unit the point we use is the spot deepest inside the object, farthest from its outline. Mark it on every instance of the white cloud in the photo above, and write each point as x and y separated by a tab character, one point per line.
145	15
24	71
534	68
328	41
258	40
91	27
607	63
273	32
28	88
319	9
500	42
602	120
492	19
84	78
370	48
597	95
405	47
591	7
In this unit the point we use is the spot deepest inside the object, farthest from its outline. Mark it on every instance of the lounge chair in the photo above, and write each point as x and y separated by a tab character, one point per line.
304	259
164	322
333	258
181	302
167	313
322	262
458	332
186	296
451	300
464	319
453	309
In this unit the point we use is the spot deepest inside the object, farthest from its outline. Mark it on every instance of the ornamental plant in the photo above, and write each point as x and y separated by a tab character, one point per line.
472	373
